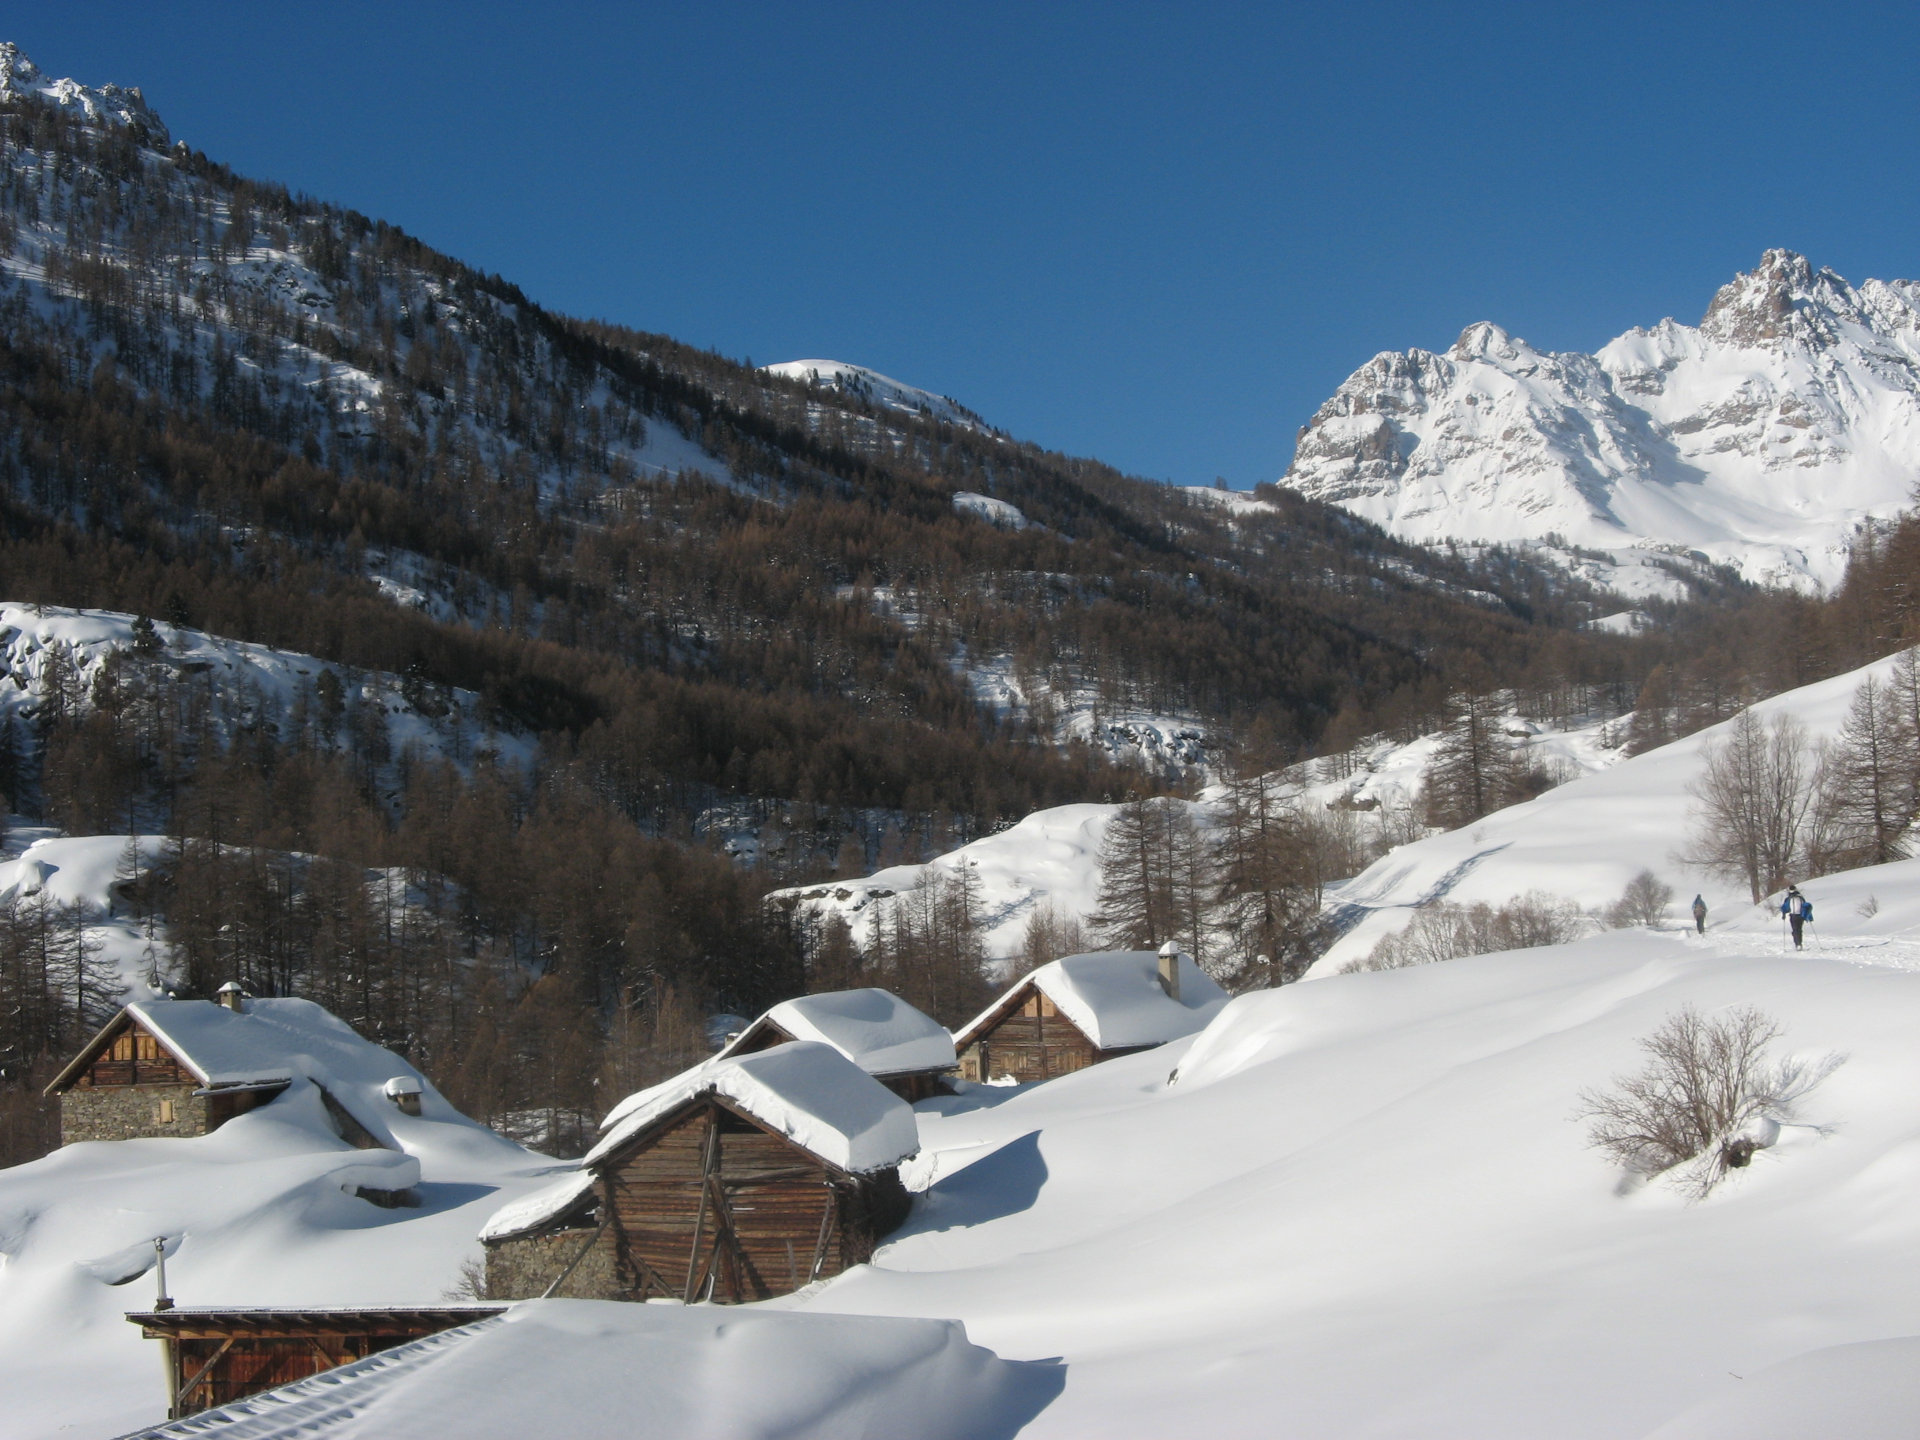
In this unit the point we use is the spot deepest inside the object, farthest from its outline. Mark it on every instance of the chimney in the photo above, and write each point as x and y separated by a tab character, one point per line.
231	996
404	1092
1170	970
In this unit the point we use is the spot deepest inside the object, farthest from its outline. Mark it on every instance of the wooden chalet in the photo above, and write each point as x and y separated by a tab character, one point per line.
745	1178
1083	1009
164	1068
905	1050
217	1356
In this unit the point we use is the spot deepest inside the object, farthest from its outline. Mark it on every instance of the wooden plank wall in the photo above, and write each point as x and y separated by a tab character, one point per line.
134	1057
1034	1042
251	1364
715	1206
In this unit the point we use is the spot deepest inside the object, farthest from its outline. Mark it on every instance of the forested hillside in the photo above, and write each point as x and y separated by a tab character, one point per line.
706	600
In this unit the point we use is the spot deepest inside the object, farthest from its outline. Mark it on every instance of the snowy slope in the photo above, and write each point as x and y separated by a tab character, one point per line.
878	390
1760	438
1052	857
1582	841
1362	1209
258	1213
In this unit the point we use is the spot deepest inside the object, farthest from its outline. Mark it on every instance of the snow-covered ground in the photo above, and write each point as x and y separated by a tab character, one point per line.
1358	1206
261	1212
1363	1208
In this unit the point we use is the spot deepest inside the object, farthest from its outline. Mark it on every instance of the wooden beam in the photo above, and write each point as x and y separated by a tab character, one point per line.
694	1273
199	1375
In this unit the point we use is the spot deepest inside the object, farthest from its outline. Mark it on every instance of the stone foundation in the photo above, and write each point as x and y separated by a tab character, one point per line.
522	1269
131	1112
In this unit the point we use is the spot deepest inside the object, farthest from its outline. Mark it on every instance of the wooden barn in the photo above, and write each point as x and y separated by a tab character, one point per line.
905	1050
1083	1009
214	1357
185	1067
744	1178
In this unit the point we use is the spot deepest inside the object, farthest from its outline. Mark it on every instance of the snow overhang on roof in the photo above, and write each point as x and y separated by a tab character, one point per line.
539	1208
1116	999
876	1030
808	1092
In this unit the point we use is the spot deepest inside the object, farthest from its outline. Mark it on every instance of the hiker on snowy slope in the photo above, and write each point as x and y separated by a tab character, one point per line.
1700	914
1795	907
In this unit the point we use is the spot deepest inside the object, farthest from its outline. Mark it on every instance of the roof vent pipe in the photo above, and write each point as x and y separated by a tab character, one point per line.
1170	970
231	996
404	1092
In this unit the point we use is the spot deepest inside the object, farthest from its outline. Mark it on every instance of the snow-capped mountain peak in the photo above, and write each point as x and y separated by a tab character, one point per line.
21	79
877	389
1763	437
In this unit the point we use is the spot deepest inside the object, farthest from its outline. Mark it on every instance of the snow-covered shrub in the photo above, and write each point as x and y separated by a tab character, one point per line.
1446	931
1643	902
1709	1096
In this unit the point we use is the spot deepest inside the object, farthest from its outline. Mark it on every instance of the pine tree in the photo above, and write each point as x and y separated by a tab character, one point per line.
1472	771
1151	880
1866	783
1269	885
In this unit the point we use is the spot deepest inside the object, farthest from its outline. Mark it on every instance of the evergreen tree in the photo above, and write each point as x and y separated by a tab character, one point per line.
1472	770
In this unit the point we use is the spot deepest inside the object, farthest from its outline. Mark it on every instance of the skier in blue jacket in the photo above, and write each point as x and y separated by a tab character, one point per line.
1794	906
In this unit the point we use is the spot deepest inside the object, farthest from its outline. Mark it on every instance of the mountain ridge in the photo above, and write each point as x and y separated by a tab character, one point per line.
1763	438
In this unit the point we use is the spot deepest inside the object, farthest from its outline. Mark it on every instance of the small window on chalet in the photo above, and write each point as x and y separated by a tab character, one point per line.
164	1115
146	1047
1046	1007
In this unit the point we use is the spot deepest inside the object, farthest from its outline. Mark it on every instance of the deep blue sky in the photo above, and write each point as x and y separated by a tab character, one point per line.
1158	235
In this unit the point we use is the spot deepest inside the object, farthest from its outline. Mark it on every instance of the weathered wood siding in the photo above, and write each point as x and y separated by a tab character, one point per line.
251	1364
1034	1041
135	1057
714	1205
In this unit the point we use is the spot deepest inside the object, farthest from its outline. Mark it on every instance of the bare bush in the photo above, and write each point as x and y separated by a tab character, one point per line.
1643	902
1753	792
1698	1108
1447	931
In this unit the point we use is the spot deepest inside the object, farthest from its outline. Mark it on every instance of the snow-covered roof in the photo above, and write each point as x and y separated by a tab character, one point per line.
272	1041
539	1207
808	1092
876	1030
1116	999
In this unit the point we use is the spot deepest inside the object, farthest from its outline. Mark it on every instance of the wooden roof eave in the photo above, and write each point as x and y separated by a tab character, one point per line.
737	1045
105	1036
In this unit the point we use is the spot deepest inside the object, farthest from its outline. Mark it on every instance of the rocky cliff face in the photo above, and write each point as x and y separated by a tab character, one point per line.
1761	438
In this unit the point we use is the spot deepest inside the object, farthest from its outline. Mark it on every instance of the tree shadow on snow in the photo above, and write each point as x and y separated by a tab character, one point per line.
1003	1182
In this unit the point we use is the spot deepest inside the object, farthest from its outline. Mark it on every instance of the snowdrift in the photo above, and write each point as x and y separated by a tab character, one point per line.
1361	1207
589	1369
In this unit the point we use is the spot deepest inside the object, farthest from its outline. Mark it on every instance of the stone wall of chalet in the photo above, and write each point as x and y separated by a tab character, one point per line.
130	1112
522	1269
